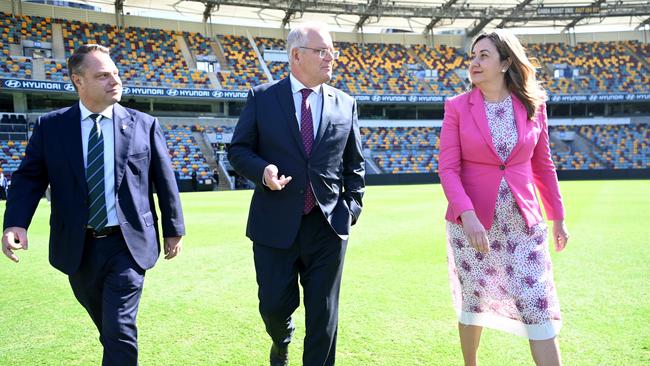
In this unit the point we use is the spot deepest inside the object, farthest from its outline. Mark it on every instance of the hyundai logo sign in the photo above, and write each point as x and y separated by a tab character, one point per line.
69	87
12	83
172	92
376	98
126	90
217	94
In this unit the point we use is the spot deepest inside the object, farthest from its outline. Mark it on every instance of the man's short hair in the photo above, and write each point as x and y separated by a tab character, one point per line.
76	61
298	35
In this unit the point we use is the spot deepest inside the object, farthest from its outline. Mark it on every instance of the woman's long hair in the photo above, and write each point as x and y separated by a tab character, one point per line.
520	77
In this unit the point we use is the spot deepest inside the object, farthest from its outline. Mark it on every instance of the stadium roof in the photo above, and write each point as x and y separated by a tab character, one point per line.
420	16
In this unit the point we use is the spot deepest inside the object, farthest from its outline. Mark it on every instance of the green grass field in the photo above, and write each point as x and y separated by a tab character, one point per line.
201	308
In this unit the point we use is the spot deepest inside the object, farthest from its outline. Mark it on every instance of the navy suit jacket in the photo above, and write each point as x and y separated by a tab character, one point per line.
268	133
54	156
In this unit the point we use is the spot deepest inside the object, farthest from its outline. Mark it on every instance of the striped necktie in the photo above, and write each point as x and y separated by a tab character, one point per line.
97	217
307	134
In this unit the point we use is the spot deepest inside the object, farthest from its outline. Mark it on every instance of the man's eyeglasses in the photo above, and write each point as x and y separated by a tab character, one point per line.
324	52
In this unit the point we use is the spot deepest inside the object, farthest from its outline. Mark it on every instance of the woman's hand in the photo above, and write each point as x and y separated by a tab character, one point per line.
474	231
560	235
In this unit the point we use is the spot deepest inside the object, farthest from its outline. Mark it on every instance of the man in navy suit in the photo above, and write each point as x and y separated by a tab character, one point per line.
102	162
298	141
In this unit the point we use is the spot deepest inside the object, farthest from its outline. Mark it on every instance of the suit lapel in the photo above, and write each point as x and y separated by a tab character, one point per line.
123	126
480	118
521	117
71	139
285	99
325	118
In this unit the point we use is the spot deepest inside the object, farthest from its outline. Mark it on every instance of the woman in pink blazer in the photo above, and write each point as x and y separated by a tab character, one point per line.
494	153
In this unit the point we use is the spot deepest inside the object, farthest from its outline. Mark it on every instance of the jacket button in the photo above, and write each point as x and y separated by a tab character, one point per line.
502	167
302	191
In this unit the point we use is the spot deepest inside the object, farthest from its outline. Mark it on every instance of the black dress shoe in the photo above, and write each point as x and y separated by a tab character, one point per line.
279	356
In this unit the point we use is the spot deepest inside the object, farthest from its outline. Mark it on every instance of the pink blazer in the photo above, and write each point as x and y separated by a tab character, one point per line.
470	169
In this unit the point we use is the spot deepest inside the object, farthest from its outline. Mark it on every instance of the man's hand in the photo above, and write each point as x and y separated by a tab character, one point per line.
14	238
173	246
271	179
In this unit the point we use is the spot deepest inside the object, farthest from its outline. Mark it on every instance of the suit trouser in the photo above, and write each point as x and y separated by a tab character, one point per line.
316	256
108	284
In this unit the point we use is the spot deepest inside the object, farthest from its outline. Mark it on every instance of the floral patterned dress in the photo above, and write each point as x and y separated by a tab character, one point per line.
511	287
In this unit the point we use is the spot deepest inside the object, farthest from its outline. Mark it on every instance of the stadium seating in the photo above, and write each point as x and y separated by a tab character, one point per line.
403	150
56	71
375	68
620	146
602	66
15	29
16	67
279	70
245	67
152	57
446	61
11	153
185	153
147	57
567	157
416	149
198	44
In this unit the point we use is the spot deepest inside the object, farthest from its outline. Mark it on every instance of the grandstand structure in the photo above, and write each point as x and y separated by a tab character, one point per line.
194	75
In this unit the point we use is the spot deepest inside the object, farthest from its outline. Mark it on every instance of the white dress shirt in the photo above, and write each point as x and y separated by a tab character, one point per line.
315	101
106	124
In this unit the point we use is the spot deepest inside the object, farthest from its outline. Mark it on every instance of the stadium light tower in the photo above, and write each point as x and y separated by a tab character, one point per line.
569	13
436	19
119	13
291	11
372	8
644	25
514	12
17	7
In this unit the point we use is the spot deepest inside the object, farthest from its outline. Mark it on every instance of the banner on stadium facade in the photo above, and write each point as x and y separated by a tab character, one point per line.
599	98
41	85
399	98
145	91
127	90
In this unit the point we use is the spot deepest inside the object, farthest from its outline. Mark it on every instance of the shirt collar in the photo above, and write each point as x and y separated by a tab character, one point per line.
85	112
297	86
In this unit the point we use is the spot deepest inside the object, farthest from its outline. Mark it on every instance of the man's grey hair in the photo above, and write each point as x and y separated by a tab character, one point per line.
298	36
76	61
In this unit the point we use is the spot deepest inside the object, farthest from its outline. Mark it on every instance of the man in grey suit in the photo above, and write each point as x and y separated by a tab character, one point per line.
298	141
102	162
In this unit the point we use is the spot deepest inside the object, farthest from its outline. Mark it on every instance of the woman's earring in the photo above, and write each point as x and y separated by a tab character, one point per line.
504	70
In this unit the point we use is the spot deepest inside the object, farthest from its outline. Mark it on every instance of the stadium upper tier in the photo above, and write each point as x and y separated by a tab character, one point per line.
246	70
153	57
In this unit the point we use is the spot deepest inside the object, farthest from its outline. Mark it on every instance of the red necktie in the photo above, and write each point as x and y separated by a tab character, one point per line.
307	133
